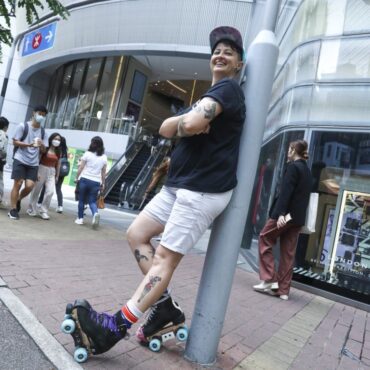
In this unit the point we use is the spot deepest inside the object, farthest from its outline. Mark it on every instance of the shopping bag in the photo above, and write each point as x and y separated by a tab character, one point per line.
311	214
100	202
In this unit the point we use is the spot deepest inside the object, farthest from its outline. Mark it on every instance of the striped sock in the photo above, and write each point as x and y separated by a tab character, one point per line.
130	314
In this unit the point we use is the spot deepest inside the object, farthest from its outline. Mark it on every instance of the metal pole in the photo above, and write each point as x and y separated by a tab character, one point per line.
223	249
11	57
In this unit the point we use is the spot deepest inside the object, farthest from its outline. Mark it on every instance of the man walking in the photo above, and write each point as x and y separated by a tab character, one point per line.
29	140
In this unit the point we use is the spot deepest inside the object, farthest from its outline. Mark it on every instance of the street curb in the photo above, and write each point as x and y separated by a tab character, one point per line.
2	283
51	348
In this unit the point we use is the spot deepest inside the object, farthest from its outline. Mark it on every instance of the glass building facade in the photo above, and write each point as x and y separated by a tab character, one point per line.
321	93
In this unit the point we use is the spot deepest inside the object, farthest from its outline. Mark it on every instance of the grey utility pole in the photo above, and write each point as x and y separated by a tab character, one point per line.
9	64
223	249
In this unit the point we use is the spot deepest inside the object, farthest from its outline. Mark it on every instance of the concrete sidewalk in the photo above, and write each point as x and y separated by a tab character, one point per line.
47	264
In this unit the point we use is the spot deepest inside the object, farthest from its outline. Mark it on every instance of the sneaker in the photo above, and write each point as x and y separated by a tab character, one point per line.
166	312
95	220
13	214
18	206
263	286
31	212
284	297
44	216
102	329
79	221
59	209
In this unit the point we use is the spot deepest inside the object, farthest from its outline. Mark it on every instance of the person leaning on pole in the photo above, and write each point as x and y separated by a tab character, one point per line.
199	186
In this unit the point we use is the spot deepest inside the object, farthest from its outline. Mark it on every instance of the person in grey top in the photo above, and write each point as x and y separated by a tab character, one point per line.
29	140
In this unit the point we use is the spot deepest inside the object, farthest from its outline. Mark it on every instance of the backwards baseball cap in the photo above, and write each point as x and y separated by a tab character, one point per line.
228	34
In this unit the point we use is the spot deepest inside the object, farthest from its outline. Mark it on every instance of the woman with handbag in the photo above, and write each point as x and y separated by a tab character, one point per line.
91	179
286	218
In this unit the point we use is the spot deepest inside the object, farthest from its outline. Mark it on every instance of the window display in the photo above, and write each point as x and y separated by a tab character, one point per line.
336	257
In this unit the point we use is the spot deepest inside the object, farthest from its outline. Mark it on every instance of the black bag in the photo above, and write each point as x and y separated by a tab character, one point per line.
64	167
2	164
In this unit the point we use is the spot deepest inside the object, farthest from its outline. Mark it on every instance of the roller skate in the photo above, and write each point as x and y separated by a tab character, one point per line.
165	321
92	332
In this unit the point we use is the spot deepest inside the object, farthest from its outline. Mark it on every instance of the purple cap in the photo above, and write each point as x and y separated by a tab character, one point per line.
226	33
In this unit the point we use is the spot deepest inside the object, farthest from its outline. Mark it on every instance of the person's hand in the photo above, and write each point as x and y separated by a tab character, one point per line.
102	186
281	222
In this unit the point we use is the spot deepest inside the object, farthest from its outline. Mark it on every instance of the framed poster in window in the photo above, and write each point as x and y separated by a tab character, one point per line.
351	247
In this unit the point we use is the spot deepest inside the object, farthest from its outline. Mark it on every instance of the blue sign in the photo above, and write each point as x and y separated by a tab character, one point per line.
39	40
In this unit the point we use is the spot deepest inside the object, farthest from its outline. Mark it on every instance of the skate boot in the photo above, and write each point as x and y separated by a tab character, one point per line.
165	321
92	332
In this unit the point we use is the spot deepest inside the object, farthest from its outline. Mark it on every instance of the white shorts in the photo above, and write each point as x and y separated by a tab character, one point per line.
186	215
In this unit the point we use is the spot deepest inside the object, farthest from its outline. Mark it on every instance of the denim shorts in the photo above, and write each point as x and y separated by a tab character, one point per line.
186	215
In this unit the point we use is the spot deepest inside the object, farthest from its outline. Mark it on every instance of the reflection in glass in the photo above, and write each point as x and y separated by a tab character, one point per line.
344	59
357	16
73	95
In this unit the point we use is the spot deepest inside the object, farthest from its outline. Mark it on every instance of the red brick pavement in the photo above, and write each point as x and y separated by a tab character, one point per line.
54	267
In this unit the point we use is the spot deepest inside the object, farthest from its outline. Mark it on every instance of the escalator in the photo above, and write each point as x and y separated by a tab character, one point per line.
135	158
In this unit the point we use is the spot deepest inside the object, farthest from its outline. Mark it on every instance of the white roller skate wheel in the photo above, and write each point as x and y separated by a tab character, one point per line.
182	334
155	345
80	355
68	326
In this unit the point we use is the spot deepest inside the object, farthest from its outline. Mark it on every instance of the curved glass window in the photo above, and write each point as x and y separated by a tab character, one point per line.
336	103
301	66
314	18
344	59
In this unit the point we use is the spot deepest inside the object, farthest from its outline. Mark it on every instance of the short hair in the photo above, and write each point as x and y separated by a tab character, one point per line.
40	108
4	123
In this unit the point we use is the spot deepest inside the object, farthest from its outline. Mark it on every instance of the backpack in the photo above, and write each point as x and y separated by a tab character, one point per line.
24	135
64	167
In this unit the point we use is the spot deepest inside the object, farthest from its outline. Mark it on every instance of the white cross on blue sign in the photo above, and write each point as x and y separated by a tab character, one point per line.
39	40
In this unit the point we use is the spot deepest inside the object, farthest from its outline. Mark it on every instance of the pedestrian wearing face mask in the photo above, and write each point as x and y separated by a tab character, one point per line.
30	140
47	175
62	175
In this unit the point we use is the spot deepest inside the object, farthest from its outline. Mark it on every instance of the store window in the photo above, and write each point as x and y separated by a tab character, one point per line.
337	256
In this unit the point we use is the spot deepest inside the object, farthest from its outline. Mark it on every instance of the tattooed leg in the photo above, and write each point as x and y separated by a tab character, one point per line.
139	235
157	279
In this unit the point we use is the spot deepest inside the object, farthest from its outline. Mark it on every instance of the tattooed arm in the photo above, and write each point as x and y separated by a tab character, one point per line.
195	122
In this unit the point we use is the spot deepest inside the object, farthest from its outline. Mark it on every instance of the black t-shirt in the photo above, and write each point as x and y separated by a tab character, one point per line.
207	162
